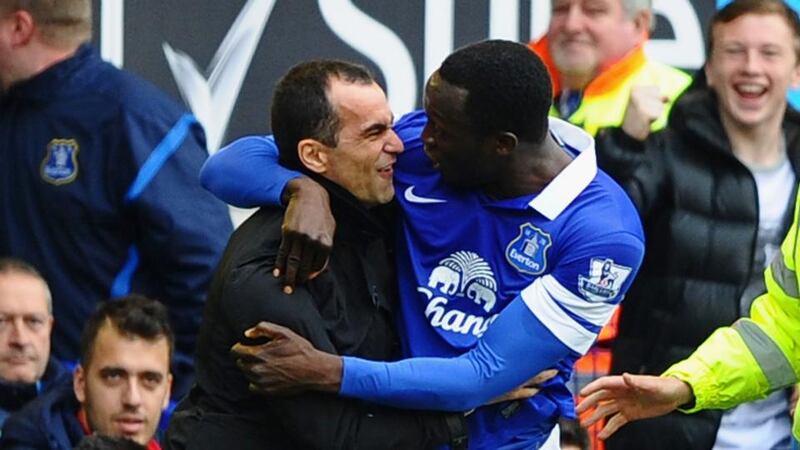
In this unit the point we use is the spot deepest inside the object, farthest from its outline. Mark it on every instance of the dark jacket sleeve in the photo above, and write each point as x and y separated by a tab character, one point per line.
316	420
180	228
641	168
19	433
47	423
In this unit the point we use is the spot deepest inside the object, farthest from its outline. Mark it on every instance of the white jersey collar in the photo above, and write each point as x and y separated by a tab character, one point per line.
568	184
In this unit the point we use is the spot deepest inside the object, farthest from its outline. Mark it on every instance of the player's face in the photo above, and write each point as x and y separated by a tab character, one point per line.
125	385
367	147
464	158
753	64
585	35
25	325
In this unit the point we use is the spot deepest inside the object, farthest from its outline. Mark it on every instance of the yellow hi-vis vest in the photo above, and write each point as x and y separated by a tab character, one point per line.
606	97
754	356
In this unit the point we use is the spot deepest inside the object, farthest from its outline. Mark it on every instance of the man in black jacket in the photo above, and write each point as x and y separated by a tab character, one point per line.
715	191
331	121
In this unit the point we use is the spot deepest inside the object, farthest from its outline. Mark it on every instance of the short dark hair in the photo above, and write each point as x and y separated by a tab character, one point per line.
103	442
133	316
508	88
738	8
572	433
300	105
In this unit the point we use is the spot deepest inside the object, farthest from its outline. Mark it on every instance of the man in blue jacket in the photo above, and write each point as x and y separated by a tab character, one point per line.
26	320
98	186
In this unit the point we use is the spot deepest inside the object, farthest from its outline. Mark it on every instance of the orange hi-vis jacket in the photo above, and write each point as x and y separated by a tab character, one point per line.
606	96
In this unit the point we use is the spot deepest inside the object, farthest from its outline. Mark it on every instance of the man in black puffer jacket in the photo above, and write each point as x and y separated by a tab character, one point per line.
715	191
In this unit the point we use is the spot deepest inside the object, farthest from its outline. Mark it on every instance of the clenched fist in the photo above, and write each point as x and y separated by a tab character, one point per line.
645	106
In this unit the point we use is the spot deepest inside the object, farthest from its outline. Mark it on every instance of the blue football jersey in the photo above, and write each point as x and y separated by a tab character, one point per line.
570	251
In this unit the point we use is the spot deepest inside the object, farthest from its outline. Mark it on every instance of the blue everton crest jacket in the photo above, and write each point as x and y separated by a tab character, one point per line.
99	190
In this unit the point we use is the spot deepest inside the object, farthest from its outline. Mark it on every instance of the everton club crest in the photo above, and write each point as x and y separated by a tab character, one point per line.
528	251
60	164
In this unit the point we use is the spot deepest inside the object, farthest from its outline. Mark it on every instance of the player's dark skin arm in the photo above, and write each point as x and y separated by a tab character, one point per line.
287	363
307	229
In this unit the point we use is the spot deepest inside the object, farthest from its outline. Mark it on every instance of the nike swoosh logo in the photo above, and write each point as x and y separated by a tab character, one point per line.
212	97
413	198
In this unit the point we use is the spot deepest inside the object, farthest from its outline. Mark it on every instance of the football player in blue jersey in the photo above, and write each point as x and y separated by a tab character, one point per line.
513	251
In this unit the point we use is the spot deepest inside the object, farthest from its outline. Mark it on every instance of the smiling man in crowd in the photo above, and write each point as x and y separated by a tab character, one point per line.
594	51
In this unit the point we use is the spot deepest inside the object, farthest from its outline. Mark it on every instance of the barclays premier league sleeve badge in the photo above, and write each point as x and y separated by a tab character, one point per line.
60	164
604	281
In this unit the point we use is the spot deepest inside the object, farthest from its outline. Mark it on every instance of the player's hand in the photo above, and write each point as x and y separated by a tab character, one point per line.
528	389
287	363
631	397
307	230
645	106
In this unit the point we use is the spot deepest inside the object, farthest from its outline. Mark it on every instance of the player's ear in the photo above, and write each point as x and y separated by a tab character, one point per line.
313	155
505	143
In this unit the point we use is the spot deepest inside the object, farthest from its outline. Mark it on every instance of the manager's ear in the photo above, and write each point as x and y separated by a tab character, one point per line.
314	155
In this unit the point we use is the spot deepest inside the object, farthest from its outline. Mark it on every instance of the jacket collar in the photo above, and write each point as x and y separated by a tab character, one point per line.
353	220
14	396
87	431
609	77
696	115
50	83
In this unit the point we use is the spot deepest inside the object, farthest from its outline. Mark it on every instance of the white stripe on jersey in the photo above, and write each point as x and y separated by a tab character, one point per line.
597	313
545	308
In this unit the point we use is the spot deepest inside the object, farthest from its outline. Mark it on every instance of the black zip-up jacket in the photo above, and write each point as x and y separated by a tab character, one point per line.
346	310
699	206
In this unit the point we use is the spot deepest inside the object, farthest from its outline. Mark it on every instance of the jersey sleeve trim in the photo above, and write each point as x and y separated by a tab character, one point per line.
596	313
563	325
